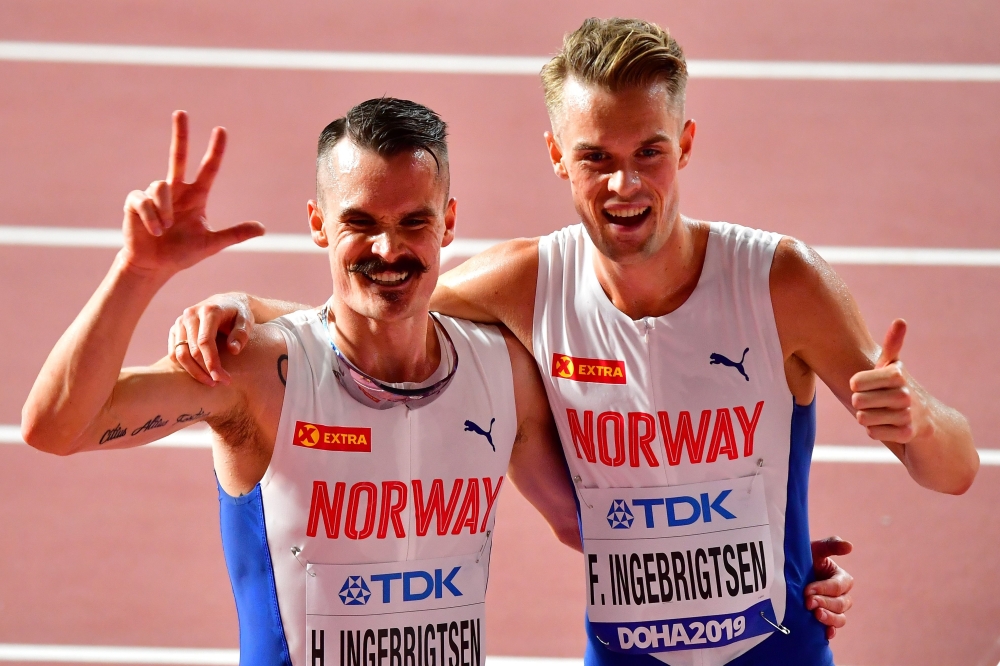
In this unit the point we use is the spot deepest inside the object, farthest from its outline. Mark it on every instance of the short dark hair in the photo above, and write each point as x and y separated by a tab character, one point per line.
388	126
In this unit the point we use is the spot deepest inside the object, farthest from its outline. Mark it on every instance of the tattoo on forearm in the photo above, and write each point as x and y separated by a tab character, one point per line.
186	418
114	433
281	370
155	422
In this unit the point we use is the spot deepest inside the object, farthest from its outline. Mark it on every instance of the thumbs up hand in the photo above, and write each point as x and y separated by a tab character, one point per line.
887	403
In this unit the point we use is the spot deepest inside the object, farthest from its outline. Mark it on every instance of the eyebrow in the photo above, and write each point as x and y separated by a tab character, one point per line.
656	138
425	211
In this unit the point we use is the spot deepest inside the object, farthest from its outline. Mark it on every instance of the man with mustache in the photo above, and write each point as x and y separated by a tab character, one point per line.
357	502
691	467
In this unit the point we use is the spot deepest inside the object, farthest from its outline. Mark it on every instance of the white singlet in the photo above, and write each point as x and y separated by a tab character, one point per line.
367	541
680	433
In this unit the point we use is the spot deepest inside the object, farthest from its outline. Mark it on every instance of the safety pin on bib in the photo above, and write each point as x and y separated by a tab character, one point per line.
578	480
760	463
784	630
295	553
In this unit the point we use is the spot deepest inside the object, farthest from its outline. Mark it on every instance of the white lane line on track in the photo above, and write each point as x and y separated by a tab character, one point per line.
113	654
182	56
82	237
78	237
198	437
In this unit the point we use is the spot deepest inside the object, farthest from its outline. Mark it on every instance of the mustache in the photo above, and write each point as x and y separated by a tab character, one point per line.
407	264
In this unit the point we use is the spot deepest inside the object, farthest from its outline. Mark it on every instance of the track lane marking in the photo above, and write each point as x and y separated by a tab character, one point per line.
461	248
183	56
115	654
197	437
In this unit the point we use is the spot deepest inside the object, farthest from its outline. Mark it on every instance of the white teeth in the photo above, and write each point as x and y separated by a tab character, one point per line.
631	212
388	278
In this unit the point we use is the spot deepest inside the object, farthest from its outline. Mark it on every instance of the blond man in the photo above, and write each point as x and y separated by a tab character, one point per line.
680	360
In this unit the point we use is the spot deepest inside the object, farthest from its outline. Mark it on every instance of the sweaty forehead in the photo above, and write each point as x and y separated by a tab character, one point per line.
593	110
357	177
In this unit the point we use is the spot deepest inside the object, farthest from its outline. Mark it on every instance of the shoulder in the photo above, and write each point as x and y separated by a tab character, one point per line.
515	257
256	367
798	272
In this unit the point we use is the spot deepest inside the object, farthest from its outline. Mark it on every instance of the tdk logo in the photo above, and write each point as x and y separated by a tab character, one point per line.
416	586
355	591
680	511
619	515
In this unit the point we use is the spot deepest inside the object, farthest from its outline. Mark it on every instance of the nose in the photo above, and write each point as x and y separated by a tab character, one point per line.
624	182
387	245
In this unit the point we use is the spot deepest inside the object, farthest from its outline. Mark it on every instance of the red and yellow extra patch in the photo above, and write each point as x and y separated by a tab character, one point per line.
592	370
332	438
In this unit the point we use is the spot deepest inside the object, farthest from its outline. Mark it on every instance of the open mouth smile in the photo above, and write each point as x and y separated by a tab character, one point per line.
630	217
388	278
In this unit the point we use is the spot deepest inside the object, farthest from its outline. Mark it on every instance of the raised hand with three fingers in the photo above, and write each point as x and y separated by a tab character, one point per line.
165	226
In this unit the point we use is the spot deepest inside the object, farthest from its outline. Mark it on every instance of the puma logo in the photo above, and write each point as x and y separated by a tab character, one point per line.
472	427
719	359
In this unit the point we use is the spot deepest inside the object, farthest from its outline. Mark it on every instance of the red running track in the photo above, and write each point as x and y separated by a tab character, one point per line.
123	548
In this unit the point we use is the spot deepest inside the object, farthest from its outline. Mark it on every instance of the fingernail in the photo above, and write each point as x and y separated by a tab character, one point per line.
215	376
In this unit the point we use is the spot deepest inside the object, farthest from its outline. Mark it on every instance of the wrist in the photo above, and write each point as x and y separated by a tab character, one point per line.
129	271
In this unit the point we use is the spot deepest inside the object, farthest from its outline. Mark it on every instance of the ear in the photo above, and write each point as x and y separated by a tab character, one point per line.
316	224
556	156
686	143
449	222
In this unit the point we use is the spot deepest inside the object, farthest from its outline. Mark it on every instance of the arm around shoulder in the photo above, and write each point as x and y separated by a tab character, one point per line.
537	467
495	286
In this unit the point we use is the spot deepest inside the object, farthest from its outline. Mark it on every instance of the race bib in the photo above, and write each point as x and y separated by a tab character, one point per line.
411	613
680	567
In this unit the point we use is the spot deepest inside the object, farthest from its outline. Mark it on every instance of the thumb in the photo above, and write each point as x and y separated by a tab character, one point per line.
893	343
237	233
238	337
830	547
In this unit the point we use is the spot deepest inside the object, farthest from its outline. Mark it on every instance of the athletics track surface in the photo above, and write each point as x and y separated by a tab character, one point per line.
122	548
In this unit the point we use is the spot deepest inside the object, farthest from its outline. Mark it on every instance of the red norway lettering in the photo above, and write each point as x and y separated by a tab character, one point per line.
435	505
582	436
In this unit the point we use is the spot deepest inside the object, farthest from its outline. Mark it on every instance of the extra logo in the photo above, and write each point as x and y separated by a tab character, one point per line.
332	438
414	585
719	359
590	370
679	511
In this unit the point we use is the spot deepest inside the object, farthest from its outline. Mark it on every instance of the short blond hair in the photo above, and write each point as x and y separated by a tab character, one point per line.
616	54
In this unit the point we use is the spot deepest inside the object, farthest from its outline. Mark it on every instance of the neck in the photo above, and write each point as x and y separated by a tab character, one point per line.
661	282
404	350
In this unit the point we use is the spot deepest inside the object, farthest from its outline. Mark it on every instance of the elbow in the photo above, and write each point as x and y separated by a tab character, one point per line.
37	434
569	535
963	480
960	479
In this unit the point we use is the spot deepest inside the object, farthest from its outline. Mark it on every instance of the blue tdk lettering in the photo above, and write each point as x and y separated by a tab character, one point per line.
685	510
408	578
706	508
438	583
418	585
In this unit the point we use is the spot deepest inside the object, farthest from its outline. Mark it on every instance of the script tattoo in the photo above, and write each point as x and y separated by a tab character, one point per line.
155	422
281	373
185	418
114	433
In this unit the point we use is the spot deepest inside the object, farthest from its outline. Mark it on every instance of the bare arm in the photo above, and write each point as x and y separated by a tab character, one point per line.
192	342
537	468
82	396
823	334
496	286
